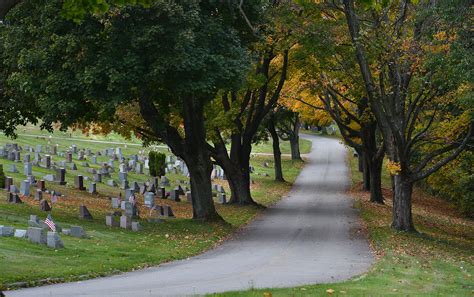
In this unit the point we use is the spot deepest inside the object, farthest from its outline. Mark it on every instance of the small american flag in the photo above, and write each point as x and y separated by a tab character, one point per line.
50	223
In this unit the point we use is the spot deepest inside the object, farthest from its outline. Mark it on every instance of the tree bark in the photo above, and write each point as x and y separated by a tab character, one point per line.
375	173
366	171
198	160
402	216
276	150
295	147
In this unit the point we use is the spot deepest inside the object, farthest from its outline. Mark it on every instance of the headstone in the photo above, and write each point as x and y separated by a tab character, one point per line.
167	212
92	188
38	195
129	192
77	231
74	148
123	176
164	181
130	209
174	195
73	166
6	231
31	179
139	168
27	169
136	226
161	193
49	177
156	212
33	221
221	198
135	186
79	182
97	177
125	222
41	185
111	221
149	199
80	156
54	241
12	168
94	160
124	184
37	235
26	158
66	231
13	198
54	149
39	148
61	176
143	189
84	213
48	161
115	202
68	157
20	233
189	197
8	182
14	189
25	188
44	206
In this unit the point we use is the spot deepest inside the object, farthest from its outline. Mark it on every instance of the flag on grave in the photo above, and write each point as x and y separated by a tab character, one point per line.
50	223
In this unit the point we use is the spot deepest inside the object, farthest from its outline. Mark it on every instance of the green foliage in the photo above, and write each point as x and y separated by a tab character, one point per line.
156	163
2	177
79	73
456	182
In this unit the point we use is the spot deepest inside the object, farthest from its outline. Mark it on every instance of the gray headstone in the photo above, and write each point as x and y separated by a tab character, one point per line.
149	199
167	212
20	233
54	241
136	226
25	188
125	222
37	235
77	231
111	221
115	203
92	188
6	231
221	198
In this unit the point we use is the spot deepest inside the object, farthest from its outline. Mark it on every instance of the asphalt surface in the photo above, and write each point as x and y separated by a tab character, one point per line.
308	237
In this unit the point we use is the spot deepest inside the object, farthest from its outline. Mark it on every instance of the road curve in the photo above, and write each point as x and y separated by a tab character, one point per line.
306	238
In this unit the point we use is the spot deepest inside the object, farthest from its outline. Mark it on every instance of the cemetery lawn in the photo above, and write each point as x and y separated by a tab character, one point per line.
438	261
112	250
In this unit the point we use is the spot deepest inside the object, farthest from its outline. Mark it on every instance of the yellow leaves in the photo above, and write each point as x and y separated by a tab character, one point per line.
330	291
267	294
394	168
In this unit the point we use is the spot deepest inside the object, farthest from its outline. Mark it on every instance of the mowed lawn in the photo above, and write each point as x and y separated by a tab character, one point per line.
438	261
112	250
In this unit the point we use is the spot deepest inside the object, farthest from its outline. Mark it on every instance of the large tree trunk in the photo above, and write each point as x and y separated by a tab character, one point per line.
366	171
402	216
236	168
375	173
198	161
276	150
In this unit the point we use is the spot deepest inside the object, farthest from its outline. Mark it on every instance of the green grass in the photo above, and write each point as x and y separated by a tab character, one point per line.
266	147
437	261
111	250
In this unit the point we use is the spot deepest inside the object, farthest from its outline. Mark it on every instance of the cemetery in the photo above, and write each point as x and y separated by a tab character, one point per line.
236	148
106	219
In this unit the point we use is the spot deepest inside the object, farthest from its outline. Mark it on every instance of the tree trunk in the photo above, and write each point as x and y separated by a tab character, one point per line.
366	171
198	161
236	168
402	216
276	150
295	147
375	172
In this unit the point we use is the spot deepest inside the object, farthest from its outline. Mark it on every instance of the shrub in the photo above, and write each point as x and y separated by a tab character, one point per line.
157	162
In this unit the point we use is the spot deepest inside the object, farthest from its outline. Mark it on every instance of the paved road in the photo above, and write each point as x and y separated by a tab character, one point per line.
305	238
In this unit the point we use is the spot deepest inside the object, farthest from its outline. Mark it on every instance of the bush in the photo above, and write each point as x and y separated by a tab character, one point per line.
157	162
